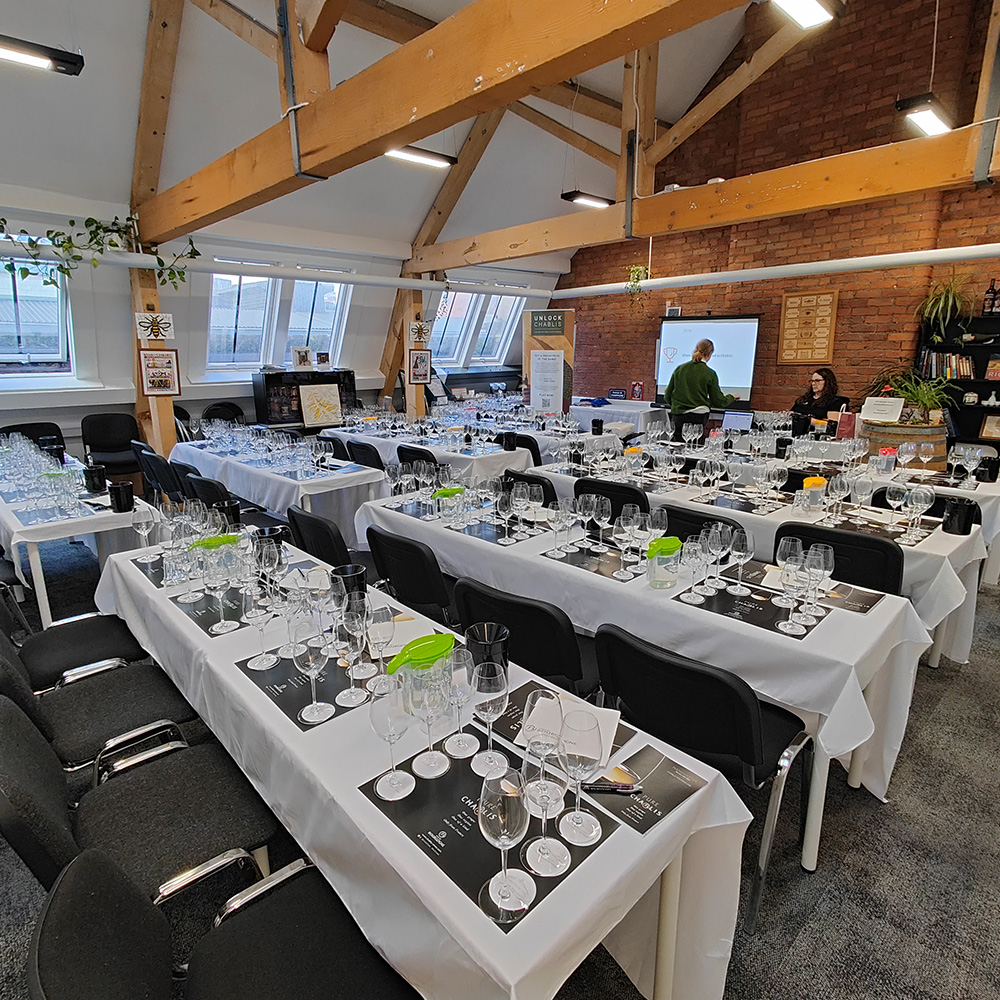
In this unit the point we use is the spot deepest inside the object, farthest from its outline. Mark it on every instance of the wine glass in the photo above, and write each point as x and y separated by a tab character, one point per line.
691	563
602	518
742	552
536	498
348	643
580	754
359	605
556	520
622	534
310	660
541	723
218	571
630	511
519	501
793	582
389	721
585	510
895	494
819	567
503	506
906	453
707	587
381	627
461	667
427	691
789	548
642	531
489	702
925	453
503	821
142	523
393	473
973	456
257	612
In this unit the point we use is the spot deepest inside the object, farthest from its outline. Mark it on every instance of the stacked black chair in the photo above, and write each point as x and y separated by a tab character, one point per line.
107	439
287	936
527	441
211	491
318	536
618	493
157	813
411	453
339	449
183	471
142	451
411	571
542	638
713	715
35	430
365	454
860	559
224	411
548	489
165	476
684	522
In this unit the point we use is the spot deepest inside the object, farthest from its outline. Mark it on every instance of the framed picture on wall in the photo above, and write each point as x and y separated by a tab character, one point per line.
990	430
302	359
158	373
420	367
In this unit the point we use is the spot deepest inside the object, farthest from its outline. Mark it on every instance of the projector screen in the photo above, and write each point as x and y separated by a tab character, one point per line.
735	339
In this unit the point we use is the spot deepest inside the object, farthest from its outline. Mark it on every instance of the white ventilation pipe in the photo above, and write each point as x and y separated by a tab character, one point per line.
876	262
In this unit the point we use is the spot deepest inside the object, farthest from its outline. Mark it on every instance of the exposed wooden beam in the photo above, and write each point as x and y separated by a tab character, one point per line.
416	402
567	135
584	101
639	113
259	35
395	343
989	58
310	69
154	414
864	175
772	51
488	54
319	20
584	228
162	35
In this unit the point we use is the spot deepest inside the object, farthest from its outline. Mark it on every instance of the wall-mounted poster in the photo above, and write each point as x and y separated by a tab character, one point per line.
158	373
636	390
154	326
544	331
419	372
320	405
546	381
302	359
808	320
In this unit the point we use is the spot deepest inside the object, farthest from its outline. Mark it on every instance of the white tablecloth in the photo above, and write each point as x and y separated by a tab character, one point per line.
493	463
430	931
643	415
337	496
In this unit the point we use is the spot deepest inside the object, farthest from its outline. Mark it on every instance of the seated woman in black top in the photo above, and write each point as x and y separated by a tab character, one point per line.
821	396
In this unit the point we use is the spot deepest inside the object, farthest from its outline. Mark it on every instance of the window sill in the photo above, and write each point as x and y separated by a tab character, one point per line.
45	382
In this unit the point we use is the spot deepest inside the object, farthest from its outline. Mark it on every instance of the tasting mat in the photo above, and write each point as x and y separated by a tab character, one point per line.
487	532
755	609
441	817
205	611
29	517
938	479
152	571
739	500
327	472
843	595
603	564
881	529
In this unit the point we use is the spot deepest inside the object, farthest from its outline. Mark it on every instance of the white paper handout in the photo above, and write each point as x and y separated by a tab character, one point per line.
546	717
882	409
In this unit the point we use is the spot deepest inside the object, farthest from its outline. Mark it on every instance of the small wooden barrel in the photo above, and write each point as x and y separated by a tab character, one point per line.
893	435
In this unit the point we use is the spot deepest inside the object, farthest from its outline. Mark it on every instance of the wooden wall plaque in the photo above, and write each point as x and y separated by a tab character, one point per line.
808	320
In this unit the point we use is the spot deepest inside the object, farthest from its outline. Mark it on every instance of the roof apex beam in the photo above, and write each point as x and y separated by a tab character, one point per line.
240	23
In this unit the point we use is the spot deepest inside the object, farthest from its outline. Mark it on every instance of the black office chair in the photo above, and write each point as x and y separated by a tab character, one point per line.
412	573
713	715
527	441
288	935
411	453
936	509
211	491
338	448
165	476
142	451
365	454
859	558
224	411
318	536
548	489
542	638
618	493
184	470
107	440
683	522
182	806
35	430
796	480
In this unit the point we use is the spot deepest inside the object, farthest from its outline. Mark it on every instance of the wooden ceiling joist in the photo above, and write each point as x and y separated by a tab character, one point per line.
311	70
638	114
584	101
260	36
490	53
319	19
593	149
772	51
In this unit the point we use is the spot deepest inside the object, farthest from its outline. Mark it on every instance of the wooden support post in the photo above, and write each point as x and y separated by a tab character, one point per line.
395	344
311	69
155	414
412	311
622	179
645	126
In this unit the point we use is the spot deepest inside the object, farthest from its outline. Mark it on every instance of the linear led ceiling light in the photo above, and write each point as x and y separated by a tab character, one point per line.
582	198
423	156
17	50
810	13
926	113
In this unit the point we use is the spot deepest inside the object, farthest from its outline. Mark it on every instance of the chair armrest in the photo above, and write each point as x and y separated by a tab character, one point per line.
76	618
162	727
258	889
124	764
85	670
203	871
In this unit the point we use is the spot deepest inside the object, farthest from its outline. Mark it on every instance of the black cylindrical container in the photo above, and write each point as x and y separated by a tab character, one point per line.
95	478
355	577
509	441
230	511
597	426
121	497
958	515
487	642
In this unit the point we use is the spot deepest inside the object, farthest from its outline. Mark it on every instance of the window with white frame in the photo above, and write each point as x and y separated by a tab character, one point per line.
34	322
457	312
475	328
241	320
497	327
318	317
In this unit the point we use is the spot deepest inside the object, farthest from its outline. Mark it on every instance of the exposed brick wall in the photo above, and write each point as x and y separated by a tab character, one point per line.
835	92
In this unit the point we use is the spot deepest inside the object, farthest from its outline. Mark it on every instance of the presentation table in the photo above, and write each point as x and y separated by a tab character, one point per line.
664	902
621	411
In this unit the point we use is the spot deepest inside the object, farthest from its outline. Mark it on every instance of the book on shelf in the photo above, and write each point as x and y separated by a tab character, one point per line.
993	368
937	364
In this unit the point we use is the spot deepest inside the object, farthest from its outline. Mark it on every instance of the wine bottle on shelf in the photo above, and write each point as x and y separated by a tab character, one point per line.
990	299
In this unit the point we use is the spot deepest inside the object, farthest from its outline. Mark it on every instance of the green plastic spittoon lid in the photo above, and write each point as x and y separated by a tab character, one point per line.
663	546
421	653
448	491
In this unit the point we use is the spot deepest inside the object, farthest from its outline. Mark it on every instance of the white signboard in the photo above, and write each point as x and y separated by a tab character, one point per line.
882	409
547	380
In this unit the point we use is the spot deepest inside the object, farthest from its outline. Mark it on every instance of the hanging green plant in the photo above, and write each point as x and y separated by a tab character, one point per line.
637	274
947	302
75	245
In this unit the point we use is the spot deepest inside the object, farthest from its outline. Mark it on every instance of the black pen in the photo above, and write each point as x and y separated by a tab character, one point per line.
612	787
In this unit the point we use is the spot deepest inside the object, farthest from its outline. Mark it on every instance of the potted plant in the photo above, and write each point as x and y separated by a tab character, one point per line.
948	302
637	274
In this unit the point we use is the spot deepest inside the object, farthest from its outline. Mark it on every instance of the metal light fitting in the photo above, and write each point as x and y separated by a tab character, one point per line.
590	200
425	157
38	56
926	113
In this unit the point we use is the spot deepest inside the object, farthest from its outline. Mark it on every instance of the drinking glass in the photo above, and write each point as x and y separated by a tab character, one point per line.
259	614
428	694
956	458
503	821
659	521
973	457
630	511
310	660
461	668
519	501
793	582
819	566
350	645
489	702
381	627
602	518
580	754
742	552
691	563
837	488
389	721
707	587
570	512
789	548
895	494
585	508
642	531
218	572
925	453
622	534
556	522
359	606
195	572
393	474
503	506
536	498
906	453
142	522
861	491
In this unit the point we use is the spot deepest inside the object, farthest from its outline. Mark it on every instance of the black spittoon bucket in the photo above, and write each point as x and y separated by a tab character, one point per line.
958	515
95	477
355	577
230	511
597	426
509	441
487	642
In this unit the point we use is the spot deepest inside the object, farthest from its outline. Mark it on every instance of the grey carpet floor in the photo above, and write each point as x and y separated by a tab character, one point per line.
905	904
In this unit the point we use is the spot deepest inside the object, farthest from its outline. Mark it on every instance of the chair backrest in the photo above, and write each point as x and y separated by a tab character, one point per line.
338	448
548	489
542	638
365	454
224	411
411	453
183	471
35	430
618	493
142	452
527	441
99	937
858	558
704	710
108	432
409	566
795	481
34	815
683	522
15	683
209	491
936	509
165	476
318	536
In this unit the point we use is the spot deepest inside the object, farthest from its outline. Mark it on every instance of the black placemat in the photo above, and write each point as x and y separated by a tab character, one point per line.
152	571
939	479
879	530
756	609
603	564
29	517
844	595
736	499
440	817
483	530
205	611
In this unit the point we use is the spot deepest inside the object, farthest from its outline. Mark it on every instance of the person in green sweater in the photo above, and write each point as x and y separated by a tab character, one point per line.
694	390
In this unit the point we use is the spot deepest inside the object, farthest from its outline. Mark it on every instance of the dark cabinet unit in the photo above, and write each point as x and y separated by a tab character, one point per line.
276	394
